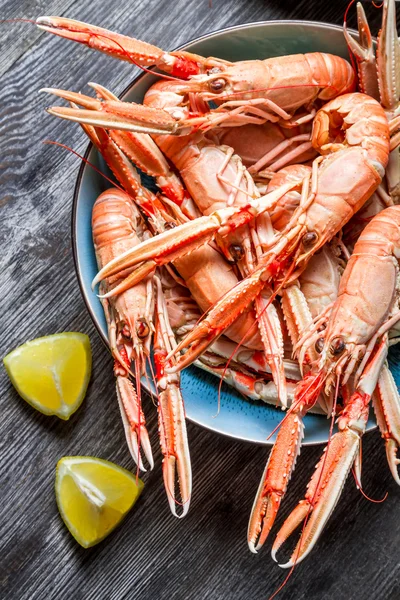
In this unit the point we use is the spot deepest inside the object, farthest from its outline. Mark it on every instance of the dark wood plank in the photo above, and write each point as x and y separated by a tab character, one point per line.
152	555
18	37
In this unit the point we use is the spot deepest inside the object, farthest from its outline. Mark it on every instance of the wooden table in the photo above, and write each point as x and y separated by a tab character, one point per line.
152	556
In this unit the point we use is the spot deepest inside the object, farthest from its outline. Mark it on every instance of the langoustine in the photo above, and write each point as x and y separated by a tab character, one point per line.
133	316
353	350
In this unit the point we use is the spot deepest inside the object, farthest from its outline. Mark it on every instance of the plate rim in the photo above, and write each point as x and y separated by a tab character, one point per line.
78	183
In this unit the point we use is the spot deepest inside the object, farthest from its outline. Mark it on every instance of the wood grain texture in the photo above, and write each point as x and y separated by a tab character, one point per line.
152	556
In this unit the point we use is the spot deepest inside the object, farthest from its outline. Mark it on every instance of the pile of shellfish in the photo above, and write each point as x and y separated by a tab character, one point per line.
267	255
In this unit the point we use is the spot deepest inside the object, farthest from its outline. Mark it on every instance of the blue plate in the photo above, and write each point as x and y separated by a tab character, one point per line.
237	418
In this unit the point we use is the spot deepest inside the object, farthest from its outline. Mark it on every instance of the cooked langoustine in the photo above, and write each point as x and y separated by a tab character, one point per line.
251	91
117	225
352	350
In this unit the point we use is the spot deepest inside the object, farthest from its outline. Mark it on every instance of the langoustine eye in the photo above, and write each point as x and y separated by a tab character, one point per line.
142	329
319	344
337	345
309	239
236	251
217	85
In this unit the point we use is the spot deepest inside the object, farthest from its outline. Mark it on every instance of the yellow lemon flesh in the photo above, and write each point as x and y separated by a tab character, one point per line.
93	496
52	373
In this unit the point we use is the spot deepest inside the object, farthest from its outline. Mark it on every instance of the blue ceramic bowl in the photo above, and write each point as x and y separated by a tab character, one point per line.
237	418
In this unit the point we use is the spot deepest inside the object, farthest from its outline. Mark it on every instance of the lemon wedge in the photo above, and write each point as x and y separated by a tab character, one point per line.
52	373
93	496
